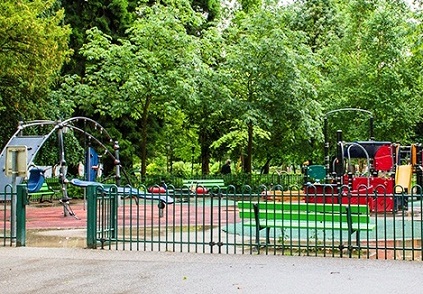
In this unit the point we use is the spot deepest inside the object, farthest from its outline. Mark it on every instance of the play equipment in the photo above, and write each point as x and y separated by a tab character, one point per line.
35	180
31	136
382	182
91	164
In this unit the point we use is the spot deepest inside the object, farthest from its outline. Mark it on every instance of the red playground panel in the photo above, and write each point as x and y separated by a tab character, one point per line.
362	192
382	185
321	193
383	158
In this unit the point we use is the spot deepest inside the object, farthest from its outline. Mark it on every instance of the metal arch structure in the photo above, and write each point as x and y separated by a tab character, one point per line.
33	144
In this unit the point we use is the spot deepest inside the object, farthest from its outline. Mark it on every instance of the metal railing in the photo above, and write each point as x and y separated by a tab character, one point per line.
278	222
12	216
212	223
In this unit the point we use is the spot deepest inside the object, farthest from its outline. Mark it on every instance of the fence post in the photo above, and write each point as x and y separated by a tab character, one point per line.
92	217
21	201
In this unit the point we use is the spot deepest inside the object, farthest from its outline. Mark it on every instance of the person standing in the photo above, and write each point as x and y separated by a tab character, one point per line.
226	168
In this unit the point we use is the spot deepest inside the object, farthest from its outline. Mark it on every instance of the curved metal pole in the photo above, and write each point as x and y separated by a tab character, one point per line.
77	118
349	109
59	126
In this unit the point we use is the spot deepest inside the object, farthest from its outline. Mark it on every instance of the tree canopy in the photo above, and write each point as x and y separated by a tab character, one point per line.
33	48
188	80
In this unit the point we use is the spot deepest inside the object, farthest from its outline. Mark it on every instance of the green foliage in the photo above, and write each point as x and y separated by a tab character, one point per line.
210	7
168	78
320	20
270	72
33	48
180	169
370	69
112	17
136	77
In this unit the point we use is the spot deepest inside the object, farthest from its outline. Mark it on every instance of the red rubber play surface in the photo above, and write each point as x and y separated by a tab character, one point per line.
52	216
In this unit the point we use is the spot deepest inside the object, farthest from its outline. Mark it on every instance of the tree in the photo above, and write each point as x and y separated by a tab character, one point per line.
270	72
141	76
206	108
320	20
33	48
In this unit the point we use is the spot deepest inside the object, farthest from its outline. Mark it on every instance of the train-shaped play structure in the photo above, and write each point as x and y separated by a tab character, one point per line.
377	173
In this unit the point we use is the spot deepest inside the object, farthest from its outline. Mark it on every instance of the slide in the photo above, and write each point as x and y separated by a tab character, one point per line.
403	176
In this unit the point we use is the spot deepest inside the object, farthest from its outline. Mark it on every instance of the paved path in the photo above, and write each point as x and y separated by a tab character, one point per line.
64	270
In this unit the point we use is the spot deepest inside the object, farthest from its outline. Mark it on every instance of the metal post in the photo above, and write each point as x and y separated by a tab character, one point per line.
62	166
21	201
91	217
117	163
14	200
339	165
326	159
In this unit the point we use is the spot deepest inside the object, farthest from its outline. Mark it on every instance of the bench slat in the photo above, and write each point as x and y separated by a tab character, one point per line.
311	225
304	216
311	207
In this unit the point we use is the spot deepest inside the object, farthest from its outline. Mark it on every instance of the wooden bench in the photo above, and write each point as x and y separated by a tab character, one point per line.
310	216
45	190
209	184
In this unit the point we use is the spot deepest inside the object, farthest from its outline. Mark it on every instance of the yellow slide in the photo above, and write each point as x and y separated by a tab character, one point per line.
403	176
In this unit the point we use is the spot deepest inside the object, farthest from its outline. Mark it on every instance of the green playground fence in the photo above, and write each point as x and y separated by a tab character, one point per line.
289	224
286	222
12	216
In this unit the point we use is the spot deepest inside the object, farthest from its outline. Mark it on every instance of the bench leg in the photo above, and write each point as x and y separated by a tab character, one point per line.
258	229
267	236
258	236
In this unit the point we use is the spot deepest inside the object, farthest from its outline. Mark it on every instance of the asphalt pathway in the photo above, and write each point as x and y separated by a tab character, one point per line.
67	270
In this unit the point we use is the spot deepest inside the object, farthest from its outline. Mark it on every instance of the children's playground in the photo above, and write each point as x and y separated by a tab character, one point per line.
363	201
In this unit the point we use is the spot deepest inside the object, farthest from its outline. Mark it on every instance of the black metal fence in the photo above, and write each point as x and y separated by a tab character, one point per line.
251	222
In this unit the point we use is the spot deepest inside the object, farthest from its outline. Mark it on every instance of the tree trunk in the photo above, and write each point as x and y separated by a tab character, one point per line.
248	160
205	154
205	161
144	132
266	167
